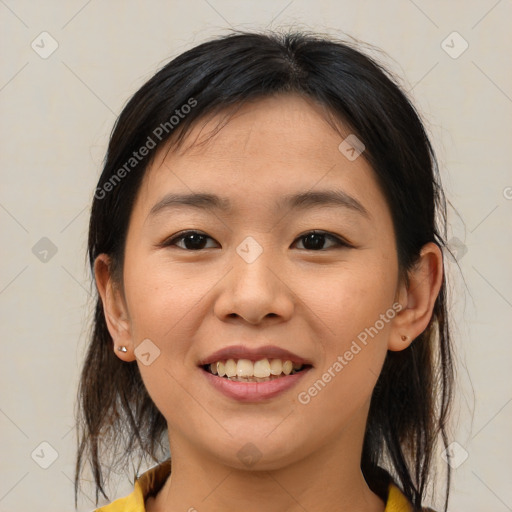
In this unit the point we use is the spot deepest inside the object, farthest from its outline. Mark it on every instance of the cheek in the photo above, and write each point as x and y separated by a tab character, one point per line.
160	296
161	303
355	310
167	304
349	300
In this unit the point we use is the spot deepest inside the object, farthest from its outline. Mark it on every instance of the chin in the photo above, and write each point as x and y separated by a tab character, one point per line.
258	453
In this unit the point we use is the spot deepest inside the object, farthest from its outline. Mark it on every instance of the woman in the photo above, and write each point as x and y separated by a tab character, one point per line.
266	239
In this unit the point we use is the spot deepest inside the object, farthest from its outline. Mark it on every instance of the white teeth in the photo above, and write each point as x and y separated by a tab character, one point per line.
287	367
251	379
261	370
230	368
244	368
276	367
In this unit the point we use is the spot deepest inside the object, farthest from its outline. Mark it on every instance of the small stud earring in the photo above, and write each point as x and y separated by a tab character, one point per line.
404	337
122	349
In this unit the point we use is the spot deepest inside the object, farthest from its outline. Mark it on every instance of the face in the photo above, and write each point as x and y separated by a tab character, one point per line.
257	269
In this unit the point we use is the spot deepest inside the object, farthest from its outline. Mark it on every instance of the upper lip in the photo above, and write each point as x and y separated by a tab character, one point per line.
253	354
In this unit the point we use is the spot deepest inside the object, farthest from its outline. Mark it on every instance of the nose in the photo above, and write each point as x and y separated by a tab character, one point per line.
256	291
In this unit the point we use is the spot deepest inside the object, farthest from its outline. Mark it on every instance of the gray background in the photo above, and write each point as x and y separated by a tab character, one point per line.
57	111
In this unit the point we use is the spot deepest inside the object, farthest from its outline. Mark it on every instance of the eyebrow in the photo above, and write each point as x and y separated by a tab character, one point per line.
300	201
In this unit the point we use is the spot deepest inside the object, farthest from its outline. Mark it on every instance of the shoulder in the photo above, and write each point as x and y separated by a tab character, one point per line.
383	485
134	502
397	501
146	485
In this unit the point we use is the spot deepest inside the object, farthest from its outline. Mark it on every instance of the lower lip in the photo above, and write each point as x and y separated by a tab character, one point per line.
254	391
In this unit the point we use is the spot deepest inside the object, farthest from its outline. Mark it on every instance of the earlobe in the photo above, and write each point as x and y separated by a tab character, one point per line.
114	309
417	298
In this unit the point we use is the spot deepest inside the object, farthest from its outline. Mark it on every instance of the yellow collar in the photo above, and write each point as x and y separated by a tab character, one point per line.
150	482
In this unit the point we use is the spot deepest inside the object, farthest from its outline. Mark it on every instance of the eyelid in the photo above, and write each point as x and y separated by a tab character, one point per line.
338	239
177	236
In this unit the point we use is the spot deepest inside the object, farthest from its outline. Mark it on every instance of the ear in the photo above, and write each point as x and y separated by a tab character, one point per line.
114	308
417	298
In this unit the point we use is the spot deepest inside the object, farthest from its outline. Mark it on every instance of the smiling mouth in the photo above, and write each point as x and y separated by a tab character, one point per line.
245	370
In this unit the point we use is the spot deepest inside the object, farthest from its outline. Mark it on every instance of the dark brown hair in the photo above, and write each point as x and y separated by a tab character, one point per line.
116	418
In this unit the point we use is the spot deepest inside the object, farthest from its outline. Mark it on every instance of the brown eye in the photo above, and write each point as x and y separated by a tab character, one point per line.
315	240
190	240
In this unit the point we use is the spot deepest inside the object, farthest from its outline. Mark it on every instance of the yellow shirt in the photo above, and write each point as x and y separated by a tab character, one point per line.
150	482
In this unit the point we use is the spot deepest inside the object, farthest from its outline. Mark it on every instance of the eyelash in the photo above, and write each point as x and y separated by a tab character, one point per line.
340	242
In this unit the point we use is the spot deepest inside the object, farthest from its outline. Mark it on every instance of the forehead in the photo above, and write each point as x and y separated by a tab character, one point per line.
260	152
251	128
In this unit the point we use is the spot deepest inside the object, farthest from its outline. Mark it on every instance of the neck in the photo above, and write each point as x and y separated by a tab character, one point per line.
327	480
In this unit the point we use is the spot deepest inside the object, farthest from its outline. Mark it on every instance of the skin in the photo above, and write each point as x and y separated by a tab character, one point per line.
313	302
